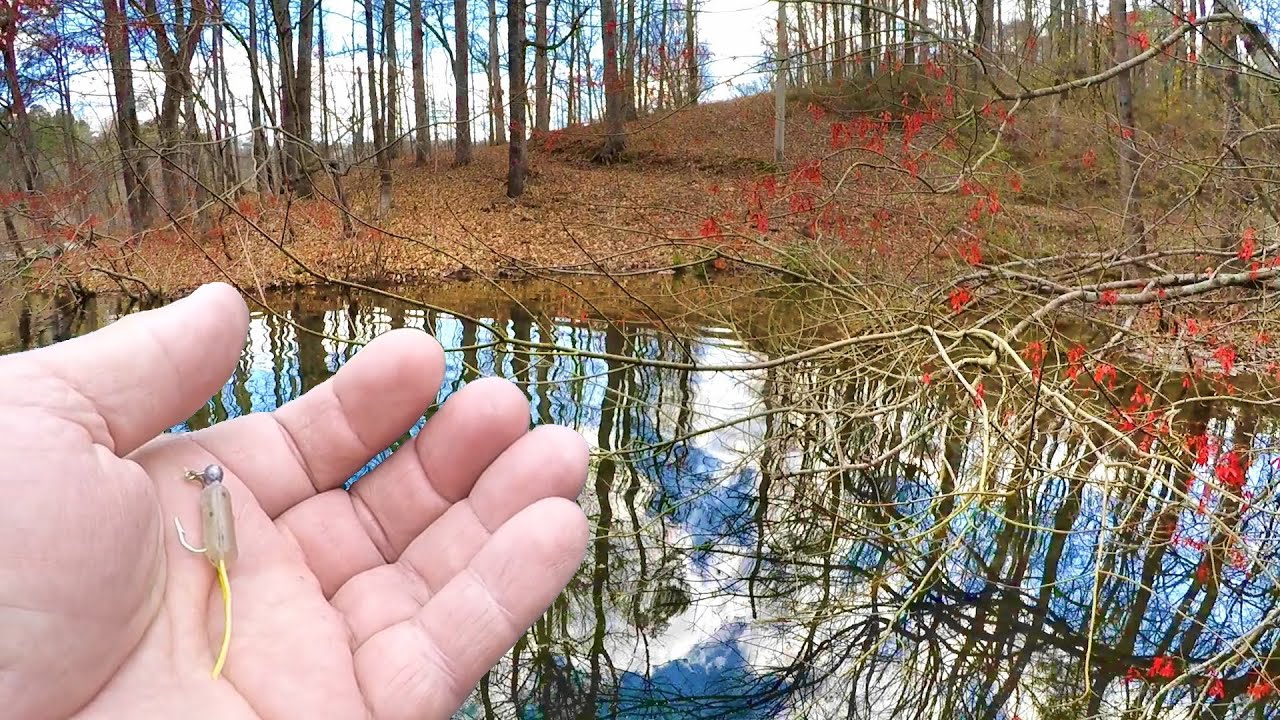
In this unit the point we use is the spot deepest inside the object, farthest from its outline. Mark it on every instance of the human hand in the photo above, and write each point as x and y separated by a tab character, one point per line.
387	601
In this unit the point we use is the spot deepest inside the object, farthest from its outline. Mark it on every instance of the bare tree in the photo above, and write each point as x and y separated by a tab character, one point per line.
175	53
324	81
357	115
137	194
261	152
25	146
837	61
1131	192
691	51
295	92
462	85
224	115
922	19
866	52
517	163
375	113
391	78
573	95
615	139
541	90
908	35
629	64
495	79
780	88
984	25
418	41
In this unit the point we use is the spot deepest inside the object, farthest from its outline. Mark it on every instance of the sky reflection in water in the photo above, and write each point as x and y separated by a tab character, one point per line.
717	587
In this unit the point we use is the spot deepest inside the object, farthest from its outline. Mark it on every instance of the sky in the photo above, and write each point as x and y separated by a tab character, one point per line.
732	30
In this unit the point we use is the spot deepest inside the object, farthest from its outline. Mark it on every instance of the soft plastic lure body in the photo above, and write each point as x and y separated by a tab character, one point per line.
218	524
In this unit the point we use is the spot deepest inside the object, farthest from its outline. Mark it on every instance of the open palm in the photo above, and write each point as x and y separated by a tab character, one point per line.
390	600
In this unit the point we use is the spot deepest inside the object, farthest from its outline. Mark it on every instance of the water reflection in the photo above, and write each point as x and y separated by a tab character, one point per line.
746	562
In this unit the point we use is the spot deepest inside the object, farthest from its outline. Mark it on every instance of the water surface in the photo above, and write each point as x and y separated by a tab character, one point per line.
805	540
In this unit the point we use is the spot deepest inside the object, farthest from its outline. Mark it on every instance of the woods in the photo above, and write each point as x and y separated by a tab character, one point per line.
204	96
197	106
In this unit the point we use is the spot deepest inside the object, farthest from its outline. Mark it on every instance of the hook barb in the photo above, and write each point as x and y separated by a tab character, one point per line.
182	537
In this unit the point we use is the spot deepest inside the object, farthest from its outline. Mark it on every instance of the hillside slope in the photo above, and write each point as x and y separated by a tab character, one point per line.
880	190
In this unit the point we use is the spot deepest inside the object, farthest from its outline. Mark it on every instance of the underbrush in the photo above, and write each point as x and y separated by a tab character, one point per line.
1062	150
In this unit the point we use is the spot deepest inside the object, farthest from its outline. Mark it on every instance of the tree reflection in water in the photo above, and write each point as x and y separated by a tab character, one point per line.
823	539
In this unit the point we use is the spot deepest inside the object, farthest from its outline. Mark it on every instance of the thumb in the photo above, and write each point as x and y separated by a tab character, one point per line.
147	371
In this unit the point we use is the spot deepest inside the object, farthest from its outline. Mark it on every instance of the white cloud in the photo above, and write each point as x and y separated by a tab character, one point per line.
734	31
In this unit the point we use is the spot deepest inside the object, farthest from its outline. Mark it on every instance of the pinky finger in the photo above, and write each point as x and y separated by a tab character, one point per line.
427	665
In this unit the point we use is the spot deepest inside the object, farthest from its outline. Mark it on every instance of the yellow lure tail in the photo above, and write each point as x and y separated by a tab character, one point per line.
225	584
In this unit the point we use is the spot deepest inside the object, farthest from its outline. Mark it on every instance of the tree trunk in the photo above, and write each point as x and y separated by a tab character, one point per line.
541	91
375	112
587	101
866	52
1055	36
629	65
175	62
391	93
804	72
662	56
1131	192
824	40
26	144
998	28
420	122
199	165
137	194
645	60
1079	17
295	93
1179	48
517	164
61	60
615	139
982	26
495	78
1095	48
221	121
573	99
231	156
233	144
780	89
344	209
302	99
175	184
324	83
908	36
1234	177
462	85
691	50
554	62
275	156
837	62
1201	45
357	117
11	233
922	19
261	163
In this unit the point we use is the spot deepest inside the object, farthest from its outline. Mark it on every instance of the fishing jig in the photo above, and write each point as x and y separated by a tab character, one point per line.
219	542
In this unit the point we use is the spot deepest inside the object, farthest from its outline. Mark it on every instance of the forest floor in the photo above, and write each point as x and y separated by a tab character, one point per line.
696	186
919	207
